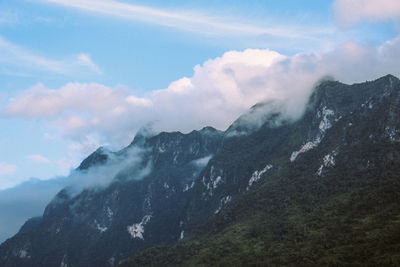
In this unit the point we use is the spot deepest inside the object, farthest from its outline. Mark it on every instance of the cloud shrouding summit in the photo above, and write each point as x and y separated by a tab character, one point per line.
219	91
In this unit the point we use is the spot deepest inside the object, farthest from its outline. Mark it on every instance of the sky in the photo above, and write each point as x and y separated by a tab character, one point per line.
79	74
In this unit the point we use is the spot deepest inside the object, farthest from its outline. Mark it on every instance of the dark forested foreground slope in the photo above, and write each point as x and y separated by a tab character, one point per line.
322	190
328	193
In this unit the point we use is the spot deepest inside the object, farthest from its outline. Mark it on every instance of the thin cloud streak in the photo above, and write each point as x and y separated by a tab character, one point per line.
190	21
21	55
15	55
38	159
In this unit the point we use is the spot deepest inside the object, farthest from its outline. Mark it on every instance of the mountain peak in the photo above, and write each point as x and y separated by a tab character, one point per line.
388	77
344	147
99	156
343	97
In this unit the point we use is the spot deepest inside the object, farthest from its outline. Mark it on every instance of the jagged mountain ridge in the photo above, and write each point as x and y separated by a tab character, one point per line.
243	167
99	227
321	191
277	144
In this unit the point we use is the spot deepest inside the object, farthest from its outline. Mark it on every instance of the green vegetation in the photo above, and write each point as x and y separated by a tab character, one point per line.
344	219
335	204
349	215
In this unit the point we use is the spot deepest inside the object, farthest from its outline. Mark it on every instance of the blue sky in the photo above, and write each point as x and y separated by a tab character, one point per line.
65	66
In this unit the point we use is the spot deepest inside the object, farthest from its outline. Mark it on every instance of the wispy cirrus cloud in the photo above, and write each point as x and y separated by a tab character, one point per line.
20	58
192	21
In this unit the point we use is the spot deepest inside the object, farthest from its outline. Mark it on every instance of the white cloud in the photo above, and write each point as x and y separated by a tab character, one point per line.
131	163
7	169
86	113
85	60
219	91
38	159
93	111
12	55
91	98
193	21
349	12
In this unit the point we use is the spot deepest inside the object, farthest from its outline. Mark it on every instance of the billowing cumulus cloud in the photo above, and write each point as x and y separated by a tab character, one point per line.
219	91
84	112
349	12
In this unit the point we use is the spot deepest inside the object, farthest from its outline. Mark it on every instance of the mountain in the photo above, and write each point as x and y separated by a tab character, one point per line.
24	201
100	226
30	224
321	190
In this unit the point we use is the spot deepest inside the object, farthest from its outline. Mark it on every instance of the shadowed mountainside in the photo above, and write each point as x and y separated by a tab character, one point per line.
322	190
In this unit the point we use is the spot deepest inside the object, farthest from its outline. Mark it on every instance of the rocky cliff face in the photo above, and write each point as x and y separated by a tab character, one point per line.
143	205
203	183
320	191
338	116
